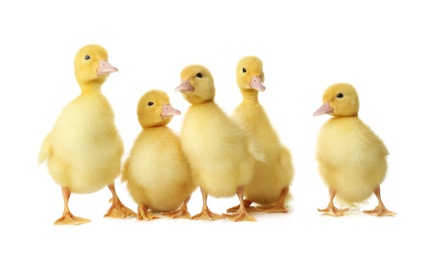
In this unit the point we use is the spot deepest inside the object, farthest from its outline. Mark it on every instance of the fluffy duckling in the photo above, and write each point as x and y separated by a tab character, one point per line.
351	157
157	172
218	150
272	179
83	150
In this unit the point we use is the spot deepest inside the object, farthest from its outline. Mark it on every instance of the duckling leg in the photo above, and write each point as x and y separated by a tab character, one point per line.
280	206
144	214
247	204
181	213
68	218
242	214
331	209
206	214
379	210
117	209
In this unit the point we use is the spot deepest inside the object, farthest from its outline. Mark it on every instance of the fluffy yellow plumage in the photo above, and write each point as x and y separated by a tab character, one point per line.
157	172
216	147
273	176
83	151
352	158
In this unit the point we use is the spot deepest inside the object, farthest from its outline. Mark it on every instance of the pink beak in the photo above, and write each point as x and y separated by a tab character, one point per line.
324	109
105	68
185	86
257	84
168	110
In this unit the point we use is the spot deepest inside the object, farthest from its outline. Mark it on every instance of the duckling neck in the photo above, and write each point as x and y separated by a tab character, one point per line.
250	95
90	87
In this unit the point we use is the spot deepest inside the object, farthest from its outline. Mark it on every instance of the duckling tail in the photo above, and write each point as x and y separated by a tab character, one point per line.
45	149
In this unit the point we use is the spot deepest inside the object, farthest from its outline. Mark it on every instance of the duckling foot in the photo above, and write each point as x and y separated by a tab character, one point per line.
117	209
333	211
177	214
181	213
69	219
278	208
380	211
144	214
240	216
247	204
207	215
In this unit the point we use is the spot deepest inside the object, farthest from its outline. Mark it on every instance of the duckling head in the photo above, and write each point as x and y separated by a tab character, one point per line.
250	75
197	84
154	109
339	99
92	67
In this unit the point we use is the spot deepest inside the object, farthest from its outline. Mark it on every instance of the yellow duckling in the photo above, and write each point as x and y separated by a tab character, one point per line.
83	151
157	172
273	177
216	147
352	158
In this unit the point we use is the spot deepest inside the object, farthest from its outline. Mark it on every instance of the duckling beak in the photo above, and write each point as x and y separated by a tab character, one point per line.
105	68
256	84
324	109
168	110
185	86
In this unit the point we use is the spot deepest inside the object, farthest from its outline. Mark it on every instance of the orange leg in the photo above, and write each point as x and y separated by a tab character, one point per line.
117	209
331	209
181	213
247	204
242	214
379	210
280	206
206	214
68	218
144	214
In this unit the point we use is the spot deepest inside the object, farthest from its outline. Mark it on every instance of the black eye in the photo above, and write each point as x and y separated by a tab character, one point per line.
199	75
87	57
150	104
339	95
244	70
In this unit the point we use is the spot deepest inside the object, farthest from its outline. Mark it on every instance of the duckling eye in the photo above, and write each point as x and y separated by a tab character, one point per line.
244	70
339	95
87	57
150	104
199	75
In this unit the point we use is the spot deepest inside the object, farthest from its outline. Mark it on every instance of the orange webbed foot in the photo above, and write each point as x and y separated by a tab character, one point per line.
278	208
144	214
69	219
240	216
118	210
380	211
207	215
333	211
181	213
247	204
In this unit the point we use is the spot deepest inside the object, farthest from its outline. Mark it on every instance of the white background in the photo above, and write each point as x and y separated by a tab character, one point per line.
383	48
